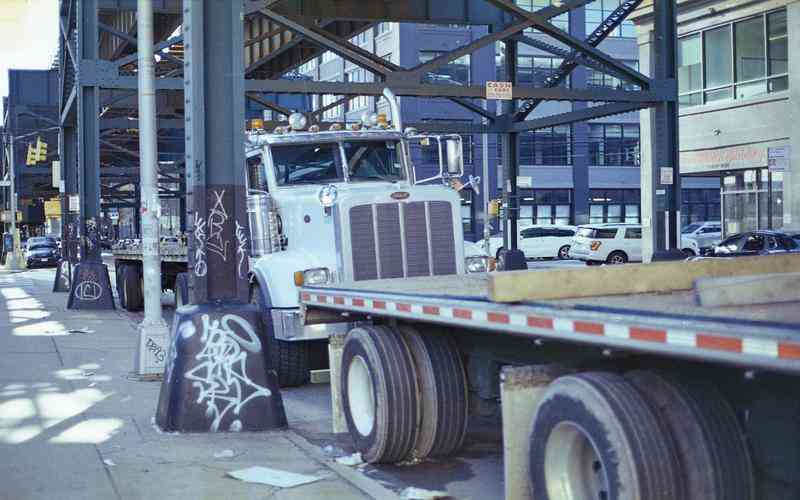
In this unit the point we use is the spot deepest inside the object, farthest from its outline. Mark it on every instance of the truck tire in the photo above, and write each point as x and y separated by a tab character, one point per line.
288	359
595	437
119	270
380	394
181	290
444	402
132	288
712	448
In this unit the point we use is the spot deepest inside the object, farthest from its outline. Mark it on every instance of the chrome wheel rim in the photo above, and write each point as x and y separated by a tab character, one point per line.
563	253
617	259
361	396
573	467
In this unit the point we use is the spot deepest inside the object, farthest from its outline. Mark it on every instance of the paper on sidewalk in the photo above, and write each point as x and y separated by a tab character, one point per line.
272	477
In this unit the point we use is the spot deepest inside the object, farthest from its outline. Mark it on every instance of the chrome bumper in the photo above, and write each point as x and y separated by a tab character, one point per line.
288	326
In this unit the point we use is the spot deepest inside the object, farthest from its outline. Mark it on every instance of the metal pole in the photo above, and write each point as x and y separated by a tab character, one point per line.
153	329
487	233
13	258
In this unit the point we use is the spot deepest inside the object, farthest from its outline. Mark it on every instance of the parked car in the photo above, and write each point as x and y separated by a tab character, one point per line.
699	237
756	243
42	252
609	243
537	242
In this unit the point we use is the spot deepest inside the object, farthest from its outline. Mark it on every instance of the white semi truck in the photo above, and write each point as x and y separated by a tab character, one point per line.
328	206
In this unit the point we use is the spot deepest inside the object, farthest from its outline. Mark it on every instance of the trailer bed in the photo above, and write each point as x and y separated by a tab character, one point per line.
758	336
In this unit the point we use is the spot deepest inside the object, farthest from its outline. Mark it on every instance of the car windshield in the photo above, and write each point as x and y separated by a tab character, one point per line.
41	244
373	160
307	164
690	228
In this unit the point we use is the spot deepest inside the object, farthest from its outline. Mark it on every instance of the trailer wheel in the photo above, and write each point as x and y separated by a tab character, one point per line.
289	359
595	437
379	393
181	290
443	392
711	445
132	288
119	271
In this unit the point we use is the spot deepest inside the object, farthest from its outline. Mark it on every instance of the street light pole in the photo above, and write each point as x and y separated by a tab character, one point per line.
12	261
153	329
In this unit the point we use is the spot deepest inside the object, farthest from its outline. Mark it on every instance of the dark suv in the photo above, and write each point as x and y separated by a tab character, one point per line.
42	252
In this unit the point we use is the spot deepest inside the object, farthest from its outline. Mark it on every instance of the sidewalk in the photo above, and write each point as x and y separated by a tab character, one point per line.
73	424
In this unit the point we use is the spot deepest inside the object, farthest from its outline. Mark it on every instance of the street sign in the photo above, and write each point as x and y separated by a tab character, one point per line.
5	183
778	158
499	90
74	203
56	173
667	176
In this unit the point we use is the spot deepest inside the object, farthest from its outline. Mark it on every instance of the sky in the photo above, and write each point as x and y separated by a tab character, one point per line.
28	37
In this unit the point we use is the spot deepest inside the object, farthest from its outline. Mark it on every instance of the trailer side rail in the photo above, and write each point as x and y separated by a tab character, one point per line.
768	346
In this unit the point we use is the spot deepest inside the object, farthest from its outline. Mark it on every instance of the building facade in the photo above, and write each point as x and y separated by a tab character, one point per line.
739	93
585	173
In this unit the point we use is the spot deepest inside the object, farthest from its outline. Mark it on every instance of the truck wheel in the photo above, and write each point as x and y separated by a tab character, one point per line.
443	392
119	271
711	446
617	257
181	290
595	437
289	359
379	394
132	288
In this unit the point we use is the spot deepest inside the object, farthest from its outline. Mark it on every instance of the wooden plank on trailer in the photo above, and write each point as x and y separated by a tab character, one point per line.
747	290
518	286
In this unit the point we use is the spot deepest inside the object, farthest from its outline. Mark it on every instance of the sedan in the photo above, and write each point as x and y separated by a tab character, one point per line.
538	242
43	254
756	243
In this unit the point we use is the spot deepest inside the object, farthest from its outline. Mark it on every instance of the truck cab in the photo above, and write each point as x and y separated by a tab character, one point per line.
341	205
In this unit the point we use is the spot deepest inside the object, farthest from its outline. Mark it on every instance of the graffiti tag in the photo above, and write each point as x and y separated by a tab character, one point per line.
241	248
217	218
200	265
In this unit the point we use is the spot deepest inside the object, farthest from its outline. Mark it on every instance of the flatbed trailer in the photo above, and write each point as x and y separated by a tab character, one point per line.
128	268
620	396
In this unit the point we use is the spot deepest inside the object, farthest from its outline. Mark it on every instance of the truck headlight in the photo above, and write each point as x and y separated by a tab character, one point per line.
315	276
477	263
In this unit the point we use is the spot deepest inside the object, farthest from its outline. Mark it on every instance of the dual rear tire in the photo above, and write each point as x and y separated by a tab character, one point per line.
404	393
644	436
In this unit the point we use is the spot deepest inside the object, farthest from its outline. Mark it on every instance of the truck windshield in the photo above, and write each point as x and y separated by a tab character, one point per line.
307	164
373	160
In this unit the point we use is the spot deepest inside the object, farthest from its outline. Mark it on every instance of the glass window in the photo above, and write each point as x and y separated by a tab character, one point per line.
598	10
547	146
560	21
456	72
612	144
606	233
689	64
750	49
778	46
306	164
718	57
633	233
372	160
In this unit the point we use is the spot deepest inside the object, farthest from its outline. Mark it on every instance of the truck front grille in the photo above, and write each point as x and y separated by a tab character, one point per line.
395	240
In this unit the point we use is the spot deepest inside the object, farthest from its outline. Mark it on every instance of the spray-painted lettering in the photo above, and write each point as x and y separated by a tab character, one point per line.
200	265
217	219
241	248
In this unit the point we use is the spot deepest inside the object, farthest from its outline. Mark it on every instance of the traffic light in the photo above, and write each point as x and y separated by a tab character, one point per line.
32	156
41	150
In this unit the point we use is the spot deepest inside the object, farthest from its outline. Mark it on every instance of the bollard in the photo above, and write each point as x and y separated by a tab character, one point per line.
521	388
335	349
90	287
218	376
61	283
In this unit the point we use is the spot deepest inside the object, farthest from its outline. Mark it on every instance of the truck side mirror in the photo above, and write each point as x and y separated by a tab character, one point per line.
455	157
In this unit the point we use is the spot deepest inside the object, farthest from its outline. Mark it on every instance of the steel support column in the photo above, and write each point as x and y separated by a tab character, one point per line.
510	156
90	287
665	195
580	131
218	237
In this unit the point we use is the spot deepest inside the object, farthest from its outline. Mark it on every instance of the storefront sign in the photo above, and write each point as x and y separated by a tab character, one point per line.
778	158
499	90
714	160
52	208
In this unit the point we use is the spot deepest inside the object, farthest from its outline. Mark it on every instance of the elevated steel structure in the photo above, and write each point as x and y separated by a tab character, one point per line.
98	82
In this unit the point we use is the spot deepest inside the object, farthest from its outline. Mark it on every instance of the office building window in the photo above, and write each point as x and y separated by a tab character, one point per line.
614	144
361	38
700	205
596	78
384	28
745	59
533	70
308	66
328	56
455	72
599	10
547	146
560	21
614	205
335	112
359	75
545	206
